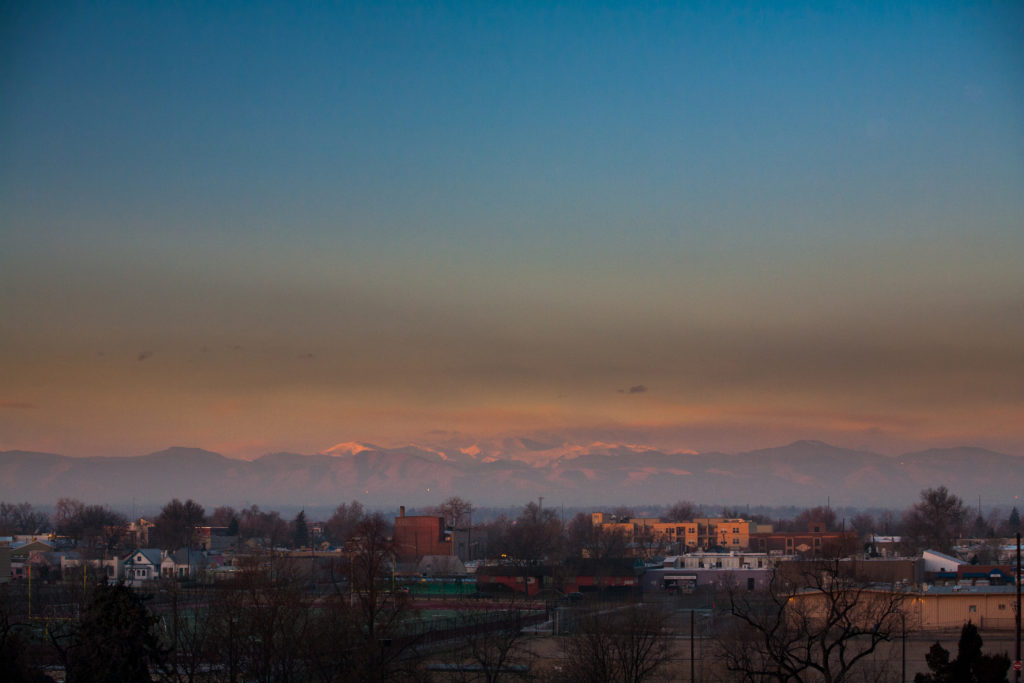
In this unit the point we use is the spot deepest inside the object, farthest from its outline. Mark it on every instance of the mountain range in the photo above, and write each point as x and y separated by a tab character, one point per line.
802	473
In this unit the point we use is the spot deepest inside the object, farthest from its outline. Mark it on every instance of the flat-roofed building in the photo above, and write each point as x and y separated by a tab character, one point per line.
419	535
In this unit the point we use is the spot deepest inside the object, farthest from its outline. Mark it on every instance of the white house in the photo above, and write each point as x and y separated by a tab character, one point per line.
142	565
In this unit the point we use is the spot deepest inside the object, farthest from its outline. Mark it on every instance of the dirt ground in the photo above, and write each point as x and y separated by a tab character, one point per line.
884	666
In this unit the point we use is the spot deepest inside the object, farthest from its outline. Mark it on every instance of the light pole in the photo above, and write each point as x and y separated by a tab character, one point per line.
903	619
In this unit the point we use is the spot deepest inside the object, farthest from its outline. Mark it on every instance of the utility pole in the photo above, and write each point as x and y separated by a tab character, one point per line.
692	653
1016	661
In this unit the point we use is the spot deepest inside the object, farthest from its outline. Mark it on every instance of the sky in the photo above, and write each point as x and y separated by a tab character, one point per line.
257	227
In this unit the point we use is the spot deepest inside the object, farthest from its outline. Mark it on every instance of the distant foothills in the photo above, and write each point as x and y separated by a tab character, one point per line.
802	473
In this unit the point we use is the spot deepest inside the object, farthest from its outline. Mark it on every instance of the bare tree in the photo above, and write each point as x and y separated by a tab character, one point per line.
223	515
260	626
863	523
935	520
266	526
491	641
585	539
534	536
342	524
98	529
822	627
628	643
176	524
456	512
682	511
821	515
649	543
379	610
20	518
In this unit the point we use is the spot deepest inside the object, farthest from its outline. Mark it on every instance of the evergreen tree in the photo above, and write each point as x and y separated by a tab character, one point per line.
15	657
300	530
1014	521
115	640
970	665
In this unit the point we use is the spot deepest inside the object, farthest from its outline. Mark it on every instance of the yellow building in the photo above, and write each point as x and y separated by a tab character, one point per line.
937	608
989	607
727	532
698	534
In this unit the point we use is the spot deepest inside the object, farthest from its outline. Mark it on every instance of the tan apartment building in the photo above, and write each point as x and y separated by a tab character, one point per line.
697	534
708	532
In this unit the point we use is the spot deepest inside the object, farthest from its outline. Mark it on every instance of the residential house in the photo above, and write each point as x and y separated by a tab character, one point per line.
215	537
183	564
71	564
142	565
138	532
20	550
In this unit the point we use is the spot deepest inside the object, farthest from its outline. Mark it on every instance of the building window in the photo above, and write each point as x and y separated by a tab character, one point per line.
735	530
972	608
735	541
1002	606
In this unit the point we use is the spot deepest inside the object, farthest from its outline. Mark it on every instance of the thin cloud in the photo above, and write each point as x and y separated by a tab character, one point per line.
635	389
16	405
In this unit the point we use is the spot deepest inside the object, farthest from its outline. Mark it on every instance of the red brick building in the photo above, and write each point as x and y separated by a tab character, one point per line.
816	541
419	535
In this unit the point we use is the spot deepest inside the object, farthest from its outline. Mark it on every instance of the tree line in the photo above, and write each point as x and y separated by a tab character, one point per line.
536	532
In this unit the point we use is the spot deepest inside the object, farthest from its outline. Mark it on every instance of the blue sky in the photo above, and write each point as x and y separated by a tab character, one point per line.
375	221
